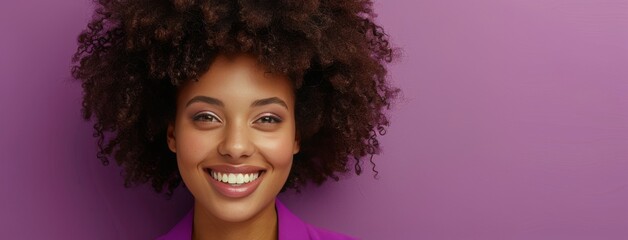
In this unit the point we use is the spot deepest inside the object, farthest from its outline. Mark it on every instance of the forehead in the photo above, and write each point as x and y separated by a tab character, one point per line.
238	78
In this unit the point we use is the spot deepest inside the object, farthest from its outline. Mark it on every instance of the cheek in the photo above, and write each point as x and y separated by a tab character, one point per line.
192	147
277	151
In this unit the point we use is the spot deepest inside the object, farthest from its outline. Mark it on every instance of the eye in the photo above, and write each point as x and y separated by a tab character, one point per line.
268	119
206	117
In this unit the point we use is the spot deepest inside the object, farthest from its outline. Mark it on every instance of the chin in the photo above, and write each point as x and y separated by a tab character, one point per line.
239	210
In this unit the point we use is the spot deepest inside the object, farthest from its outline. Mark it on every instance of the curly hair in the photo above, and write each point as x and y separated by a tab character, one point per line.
134	54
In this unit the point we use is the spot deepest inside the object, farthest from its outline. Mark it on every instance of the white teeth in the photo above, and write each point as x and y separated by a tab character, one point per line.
234	178
239	178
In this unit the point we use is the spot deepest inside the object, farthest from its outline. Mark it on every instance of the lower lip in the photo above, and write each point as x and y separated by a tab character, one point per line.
230	191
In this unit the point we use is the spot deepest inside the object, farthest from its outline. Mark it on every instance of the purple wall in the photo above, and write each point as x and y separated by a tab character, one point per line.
514	126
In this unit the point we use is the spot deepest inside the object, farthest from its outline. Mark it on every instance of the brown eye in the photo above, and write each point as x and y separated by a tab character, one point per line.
268	119
206	117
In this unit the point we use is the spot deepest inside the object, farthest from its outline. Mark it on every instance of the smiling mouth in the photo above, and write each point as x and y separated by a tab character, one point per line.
234	179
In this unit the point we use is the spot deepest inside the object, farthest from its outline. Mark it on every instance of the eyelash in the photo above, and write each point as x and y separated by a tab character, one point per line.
206	117
267	118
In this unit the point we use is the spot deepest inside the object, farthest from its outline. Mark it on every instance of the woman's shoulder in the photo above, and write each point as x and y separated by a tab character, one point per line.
291	227
181	231
323	234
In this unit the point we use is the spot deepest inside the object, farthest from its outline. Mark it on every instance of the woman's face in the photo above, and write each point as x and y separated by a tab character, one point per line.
234	137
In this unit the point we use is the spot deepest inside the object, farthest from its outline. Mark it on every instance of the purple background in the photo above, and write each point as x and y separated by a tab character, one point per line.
514	125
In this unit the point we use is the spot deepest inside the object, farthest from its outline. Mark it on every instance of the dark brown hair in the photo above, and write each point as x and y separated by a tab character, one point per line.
135	53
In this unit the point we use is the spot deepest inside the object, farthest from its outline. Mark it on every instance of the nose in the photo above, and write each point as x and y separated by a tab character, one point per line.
236	143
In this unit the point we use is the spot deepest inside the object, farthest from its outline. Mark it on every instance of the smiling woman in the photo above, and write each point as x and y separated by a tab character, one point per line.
235	125
238	99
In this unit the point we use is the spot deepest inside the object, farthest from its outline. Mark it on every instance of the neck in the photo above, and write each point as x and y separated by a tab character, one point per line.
262	226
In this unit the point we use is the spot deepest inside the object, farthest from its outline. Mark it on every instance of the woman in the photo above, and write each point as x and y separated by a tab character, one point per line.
240	100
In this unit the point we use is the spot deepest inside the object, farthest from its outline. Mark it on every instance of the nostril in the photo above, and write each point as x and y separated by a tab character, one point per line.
235	150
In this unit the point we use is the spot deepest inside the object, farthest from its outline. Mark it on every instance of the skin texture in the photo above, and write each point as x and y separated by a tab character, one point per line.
236	132
134	56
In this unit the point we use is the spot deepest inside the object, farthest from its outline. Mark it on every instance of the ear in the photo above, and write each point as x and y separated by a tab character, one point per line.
297	145
172	142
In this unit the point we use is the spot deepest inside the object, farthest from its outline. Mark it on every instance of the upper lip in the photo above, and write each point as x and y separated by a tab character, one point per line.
235	169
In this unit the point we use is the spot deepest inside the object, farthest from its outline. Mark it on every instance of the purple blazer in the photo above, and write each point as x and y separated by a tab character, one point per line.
290	228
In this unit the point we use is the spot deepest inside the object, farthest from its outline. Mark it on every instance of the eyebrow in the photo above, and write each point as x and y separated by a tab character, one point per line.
256	103
205	99
271	100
